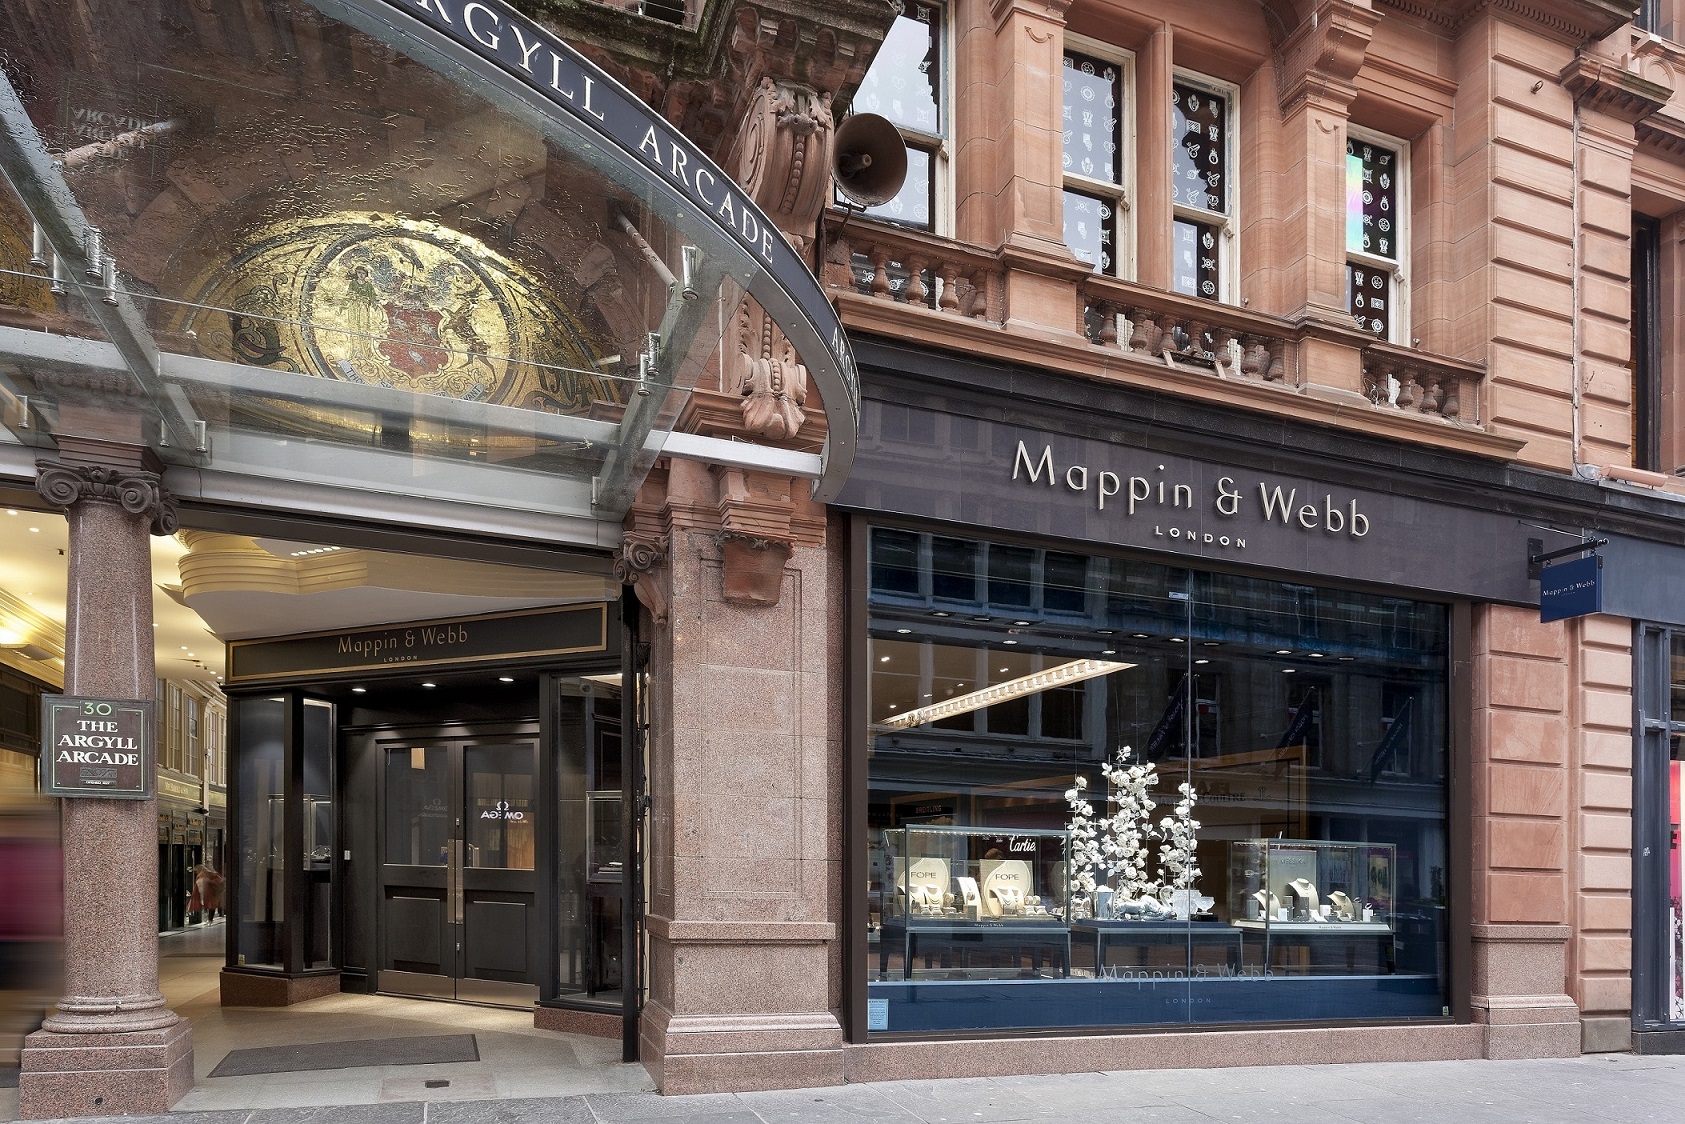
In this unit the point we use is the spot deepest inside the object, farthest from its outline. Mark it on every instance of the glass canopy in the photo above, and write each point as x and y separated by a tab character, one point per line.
323	245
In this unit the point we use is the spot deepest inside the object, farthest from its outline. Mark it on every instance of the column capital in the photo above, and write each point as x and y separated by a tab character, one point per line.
138	491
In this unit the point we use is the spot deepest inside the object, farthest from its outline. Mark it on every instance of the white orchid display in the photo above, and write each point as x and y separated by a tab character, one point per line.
1086	855
1114	848
1179	832
1130	827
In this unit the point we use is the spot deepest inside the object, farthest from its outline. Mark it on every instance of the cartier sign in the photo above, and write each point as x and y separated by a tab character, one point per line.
96	747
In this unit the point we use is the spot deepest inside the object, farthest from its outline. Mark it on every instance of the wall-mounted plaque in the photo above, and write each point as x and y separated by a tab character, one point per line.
97	747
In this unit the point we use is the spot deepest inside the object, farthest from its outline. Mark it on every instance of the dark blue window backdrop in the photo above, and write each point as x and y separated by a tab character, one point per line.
1310	724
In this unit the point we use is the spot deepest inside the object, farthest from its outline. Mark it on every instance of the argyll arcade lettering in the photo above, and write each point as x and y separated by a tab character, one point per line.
1165	500
96	747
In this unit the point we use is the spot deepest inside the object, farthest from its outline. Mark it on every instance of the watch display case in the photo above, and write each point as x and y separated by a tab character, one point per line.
1311	885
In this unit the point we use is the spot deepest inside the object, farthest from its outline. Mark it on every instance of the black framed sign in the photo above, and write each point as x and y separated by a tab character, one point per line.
97	747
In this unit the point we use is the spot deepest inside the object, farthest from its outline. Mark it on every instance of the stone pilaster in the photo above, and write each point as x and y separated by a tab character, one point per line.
744	840
111	1046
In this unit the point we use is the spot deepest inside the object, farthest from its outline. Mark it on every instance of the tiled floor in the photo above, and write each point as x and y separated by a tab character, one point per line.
516	1060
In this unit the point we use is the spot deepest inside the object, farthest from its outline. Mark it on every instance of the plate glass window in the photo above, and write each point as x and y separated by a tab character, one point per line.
1374	230
1107	792
905	85
1093	159
1202	189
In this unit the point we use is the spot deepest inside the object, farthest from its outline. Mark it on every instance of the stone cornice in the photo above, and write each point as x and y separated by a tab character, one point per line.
1599	85
1578	21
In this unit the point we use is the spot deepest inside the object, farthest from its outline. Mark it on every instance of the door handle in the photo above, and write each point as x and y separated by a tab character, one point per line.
456	882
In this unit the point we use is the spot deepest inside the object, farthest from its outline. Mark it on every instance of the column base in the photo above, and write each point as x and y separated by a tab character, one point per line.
741	1053
142	1071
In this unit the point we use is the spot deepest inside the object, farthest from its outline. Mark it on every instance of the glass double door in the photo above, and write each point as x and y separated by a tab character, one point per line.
458	884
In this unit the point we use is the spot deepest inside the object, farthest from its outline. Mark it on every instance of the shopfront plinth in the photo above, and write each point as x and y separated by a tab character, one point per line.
111	1046
263	989
1517	996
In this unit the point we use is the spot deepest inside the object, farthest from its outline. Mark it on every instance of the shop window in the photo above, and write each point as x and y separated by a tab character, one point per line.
907	84
1310	725
1377	203
1095	158
1203	188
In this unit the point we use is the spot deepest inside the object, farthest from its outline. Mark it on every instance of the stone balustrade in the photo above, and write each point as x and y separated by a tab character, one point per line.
1180	331
1398	378
909	267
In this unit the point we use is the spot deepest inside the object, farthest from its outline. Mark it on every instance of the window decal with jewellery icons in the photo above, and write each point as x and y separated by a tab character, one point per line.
1093	152
904	84
1374	228
1201	156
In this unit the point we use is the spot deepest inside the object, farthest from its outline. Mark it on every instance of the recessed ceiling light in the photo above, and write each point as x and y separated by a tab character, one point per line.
154	624
184	647
505	678
1210	643
883	659
1109	652
35	530
1102	632
429	686
11	511
359	690
982	618
1284	651
1202	661
1315	655
1003	670
1177	640
1009	641
1347	659
1021	624
939	613
1140	636
903	632
1288	670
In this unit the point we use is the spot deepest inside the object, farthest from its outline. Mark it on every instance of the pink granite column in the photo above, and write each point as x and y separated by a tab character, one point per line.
112	1046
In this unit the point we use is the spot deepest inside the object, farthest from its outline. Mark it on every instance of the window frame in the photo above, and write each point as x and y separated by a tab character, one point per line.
1120	193
938	146
1227	222
1397	268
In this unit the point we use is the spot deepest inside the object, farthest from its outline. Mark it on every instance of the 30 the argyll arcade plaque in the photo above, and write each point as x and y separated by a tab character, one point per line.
96	747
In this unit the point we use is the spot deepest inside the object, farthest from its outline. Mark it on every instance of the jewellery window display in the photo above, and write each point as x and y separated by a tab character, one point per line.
1187	742
1314	906
971	903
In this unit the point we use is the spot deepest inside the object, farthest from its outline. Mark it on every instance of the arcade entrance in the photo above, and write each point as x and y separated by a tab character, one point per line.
451	833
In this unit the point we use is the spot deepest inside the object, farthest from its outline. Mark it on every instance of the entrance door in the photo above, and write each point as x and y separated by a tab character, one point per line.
458	886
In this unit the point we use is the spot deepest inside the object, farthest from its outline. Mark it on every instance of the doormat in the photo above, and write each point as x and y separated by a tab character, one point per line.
426	1050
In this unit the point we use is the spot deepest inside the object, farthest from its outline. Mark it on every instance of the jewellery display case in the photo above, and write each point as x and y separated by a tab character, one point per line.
1317	906
971	903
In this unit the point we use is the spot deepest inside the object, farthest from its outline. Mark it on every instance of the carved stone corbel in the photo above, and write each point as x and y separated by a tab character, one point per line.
135	490
1319	60
752	567
635	565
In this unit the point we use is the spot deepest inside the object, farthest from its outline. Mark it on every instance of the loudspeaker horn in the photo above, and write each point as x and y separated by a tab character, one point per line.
870	161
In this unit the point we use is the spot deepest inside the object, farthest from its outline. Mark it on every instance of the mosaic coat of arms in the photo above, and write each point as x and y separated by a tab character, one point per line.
397	304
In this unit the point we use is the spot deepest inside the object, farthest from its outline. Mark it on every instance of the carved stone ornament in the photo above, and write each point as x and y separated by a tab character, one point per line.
752	567
771	380
136	491
635	564
783	155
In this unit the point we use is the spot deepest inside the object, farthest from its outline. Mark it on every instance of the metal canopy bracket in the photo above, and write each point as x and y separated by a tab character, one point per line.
75	244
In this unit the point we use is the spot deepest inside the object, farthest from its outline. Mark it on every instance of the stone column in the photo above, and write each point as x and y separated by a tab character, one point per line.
111	1046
